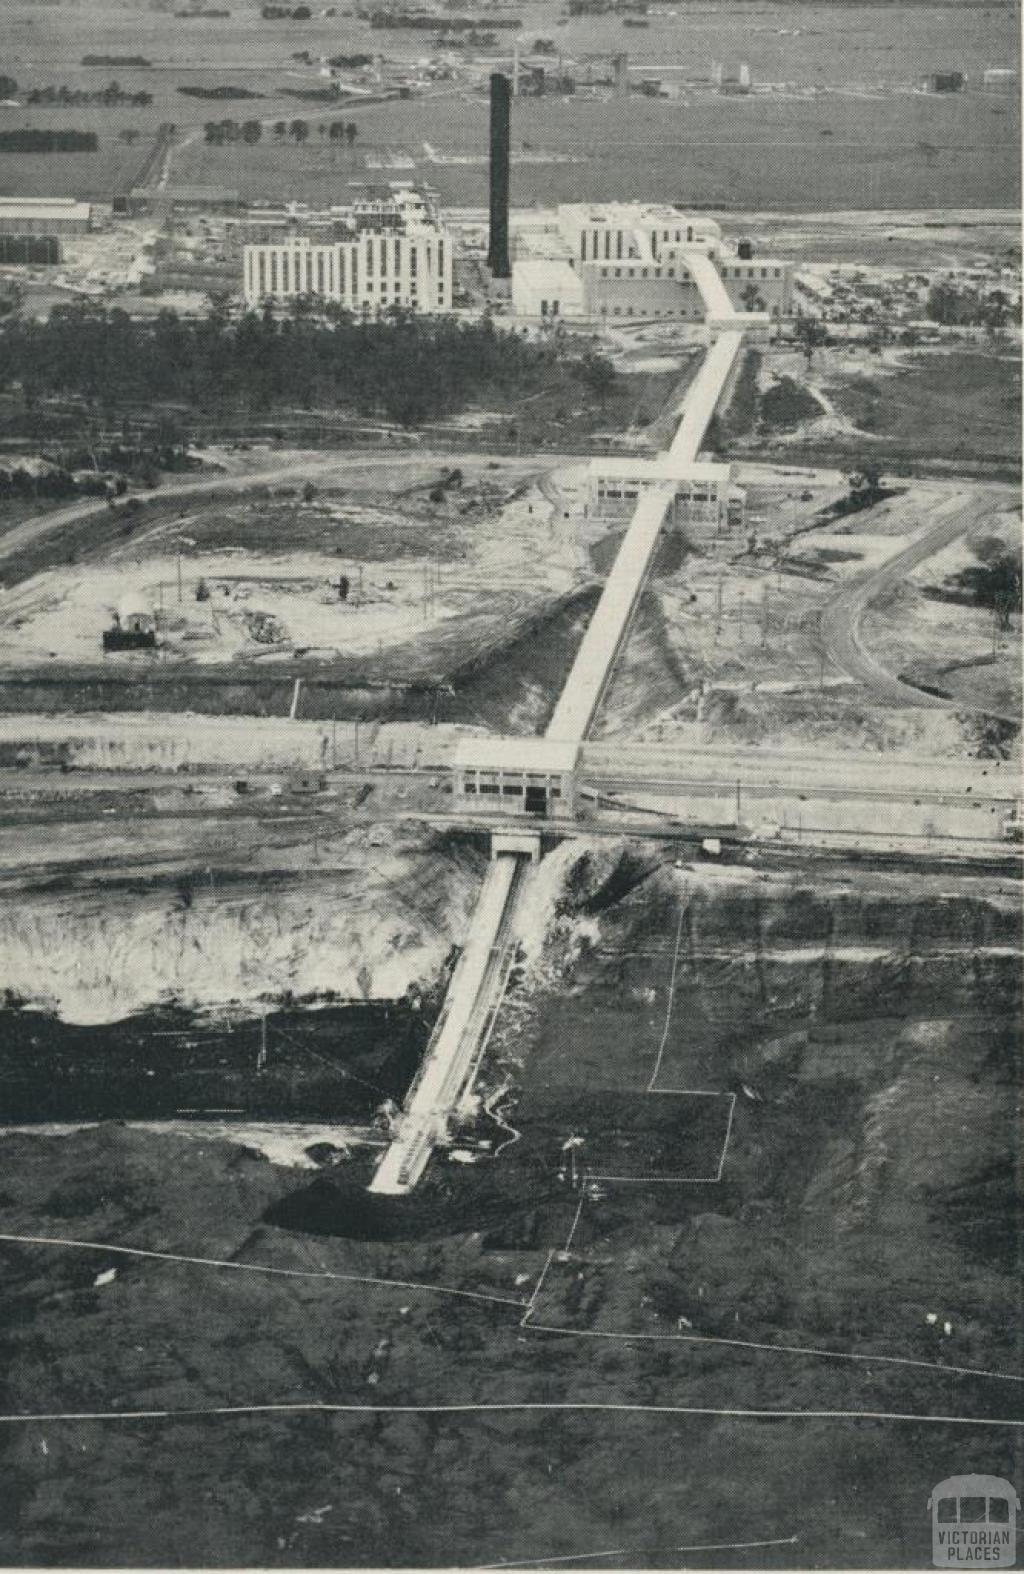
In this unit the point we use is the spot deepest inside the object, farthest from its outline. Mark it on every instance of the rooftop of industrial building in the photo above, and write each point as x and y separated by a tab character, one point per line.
626	213
663	468
554	271
45	207
547	756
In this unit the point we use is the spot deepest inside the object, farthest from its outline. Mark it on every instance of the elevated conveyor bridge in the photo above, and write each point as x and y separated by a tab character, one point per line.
478	981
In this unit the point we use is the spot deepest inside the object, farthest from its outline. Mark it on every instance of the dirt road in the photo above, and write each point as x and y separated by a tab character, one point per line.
44	524
839	620
304	466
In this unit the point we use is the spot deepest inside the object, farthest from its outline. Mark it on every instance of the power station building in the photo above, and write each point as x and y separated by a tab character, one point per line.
366	261
641	260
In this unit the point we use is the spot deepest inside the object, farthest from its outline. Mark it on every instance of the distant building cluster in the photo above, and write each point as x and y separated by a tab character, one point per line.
994	79
383	252
642	260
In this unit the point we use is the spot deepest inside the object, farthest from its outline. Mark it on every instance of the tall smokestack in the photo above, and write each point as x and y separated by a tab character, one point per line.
497	253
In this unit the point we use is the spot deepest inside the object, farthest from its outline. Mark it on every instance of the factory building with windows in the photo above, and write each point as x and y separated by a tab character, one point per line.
365	262
641	260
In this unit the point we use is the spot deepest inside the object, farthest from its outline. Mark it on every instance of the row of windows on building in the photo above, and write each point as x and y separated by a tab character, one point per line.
669	272
596	237
696	492
644	273
749	272
647	312
508	789
333	271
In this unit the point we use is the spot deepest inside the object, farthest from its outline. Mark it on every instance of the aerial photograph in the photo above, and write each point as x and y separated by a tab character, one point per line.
510	784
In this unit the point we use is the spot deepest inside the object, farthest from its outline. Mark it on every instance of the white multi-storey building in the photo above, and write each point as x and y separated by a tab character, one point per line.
642	260
395	258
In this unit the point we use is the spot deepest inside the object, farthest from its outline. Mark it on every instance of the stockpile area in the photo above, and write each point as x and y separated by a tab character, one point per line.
425	571
831	1068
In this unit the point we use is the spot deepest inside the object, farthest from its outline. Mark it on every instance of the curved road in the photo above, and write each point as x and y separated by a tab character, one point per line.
302	466
32	530
840	617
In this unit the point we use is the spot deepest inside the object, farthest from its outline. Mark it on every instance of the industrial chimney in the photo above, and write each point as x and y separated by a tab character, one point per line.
497	254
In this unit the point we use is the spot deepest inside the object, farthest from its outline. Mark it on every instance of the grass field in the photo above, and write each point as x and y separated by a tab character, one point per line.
841	127
961	405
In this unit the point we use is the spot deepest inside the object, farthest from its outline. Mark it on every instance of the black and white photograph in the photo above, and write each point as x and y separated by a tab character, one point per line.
511	806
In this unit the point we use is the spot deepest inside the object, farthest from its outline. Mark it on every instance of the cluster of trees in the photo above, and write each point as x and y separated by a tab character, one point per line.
346	62
810	334
961	306
218	132
601	7
865	485
224	91
19	483
283	13
401	367
420	20
30	250
8	86
316	95
115	60
995	580
112	94
298	130
26	141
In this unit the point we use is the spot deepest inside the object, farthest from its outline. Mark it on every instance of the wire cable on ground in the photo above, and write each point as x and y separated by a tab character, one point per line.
640	1552
671	999
737	1344
256	1267
506	1407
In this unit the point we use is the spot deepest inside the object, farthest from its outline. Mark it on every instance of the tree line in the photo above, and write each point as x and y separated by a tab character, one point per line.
29	141
225	90
219	132
251	131
108	96
401	367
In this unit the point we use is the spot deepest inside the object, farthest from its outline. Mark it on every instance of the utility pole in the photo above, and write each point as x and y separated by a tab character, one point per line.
261	1057
739	802
334	743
